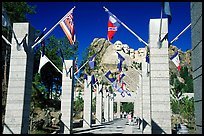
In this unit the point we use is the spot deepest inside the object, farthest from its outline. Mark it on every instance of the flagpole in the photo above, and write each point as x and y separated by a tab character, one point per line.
6	40
53	27
78	80
53	64
128	28
176	38
81	67
159	41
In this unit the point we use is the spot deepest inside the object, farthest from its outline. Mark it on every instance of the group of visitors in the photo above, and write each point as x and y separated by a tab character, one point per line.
130	118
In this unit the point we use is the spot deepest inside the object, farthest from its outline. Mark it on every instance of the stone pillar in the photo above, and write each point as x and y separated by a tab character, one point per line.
87	104
196	36
159	78
99	105
118	109
20	82
106	106
146	109
67	99
111	107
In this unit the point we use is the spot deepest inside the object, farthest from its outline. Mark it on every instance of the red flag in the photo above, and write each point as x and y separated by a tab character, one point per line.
113	25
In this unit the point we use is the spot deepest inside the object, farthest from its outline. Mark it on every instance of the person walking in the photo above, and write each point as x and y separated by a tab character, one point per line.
129	116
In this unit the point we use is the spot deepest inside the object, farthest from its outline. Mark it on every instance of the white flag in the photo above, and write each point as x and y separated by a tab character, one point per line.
43	61
175	59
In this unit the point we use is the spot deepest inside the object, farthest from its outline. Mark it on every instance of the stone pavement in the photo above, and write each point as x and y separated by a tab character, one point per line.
118	126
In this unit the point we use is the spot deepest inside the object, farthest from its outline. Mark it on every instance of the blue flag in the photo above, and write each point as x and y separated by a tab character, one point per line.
128	93
121	59
109	76
167	10
85	77
92	61
61	55
93	80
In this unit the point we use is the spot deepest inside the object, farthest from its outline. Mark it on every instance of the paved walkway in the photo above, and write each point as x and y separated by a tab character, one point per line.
118	126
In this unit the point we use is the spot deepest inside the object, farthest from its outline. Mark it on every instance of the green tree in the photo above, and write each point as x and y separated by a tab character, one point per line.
79	103
50	77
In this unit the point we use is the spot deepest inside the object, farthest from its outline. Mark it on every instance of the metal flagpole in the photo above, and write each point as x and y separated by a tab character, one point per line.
6	40
180	33
81	67
78	80
127	27
53	27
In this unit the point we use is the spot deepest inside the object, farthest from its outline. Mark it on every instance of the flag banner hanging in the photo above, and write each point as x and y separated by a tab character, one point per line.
120	90
147	54
85	77
128	93
113	26
123	86
109	76
43	61
92	61
93	81
120	76
175	59
67	26
114	85
5	18
123	94
120	59
59	52
76	67
167	11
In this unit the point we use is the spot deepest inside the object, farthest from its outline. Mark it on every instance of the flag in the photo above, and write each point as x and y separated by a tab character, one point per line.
114	85
123	94
43	61
175	59
123	86
67	26
85	77
109	76
93	80
120	59
76	67
5	18
120	90
43	44
167	10
147	54
61	54
92	61
113	25
120	76
128	93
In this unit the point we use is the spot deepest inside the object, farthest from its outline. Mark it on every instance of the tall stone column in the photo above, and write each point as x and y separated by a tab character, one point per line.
111	107
87	104
20	82
159	78
146	109
67	98
118	109
138	102
106	106
99	105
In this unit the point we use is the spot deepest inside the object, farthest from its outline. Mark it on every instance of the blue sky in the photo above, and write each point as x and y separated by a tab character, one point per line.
91	20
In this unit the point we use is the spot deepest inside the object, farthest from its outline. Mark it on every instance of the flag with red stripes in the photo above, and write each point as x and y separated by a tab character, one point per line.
67	26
